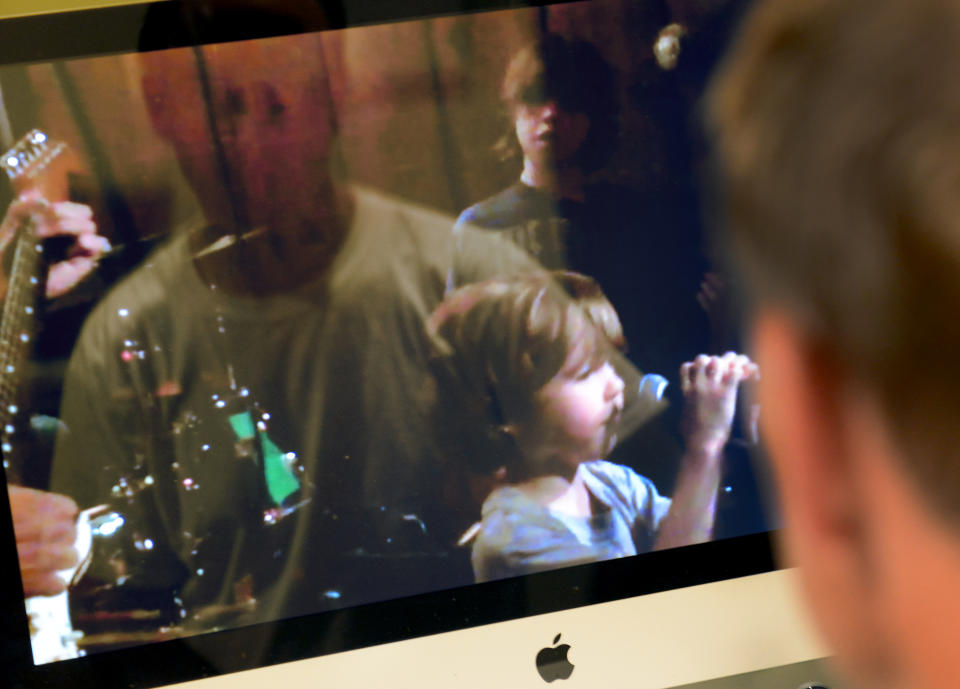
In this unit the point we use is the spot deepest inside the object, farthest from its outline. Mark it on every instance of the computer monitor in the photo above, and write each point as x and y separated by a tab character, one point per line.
425	127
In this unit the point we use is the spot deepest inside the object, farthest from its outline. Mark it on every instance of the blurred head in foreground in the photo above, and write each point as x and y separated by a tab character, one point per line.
837	130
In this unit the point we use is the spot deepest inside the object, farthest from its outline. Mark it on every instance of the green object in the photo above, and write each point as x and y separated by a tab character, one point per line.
281	483
242	425
279	476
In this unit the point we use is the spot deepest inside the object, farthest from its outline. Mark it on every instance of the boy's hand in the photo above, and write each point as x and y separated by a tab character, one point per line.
54	220
709	385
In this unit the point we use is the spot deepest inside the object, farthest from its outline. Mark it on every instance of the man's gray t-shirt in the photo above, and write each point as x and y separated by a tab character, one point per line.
237	435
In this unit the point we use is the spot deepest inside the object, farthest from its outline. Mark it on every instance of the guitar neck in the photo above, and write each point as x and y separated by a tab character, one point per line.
27	165
17	331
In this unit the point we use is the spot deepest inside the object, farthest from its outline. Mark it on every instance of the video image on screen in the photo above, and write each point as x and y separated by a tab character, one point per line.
333	318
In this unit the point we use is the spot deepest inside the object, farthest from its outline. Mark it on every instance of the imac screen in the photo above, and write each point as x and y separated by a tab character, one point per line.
327	328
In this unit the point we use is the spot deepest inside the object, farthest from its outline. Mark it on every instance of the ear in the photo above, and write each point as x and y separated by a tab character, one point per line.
800	427
811	436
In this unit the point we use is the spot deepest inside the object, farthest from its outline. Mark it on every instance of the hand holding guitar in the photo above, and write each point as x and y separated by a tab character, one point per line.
72	221
45	528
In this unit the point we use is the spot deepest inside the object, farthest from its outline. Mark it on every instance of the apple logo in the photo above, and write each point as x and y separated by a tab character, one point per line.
552	661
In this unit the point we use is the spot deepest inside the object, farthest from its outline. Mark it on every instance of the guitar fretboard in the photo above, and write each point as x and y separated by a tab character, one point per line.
23	164
17	331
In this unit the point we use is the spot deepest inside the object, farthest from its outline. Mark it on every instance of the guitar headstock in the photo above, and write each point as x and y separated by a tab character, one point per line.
28	160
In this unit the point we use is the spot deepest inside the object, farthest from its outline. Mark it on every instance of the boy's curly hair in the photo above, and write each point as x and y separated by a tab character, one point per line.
496	343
